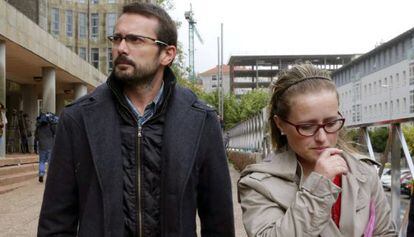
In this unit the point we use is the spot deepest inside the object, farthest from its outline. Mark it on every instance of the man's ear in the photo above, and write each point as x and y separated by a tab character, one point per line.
168	55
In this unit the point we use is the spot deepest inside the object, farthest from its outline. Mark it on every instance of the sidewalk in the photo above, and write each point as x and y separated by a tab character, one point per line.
19	209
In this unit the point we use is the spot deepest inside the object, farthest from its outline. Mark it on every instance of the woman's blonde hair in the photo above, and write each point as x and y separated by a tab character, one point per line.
300	79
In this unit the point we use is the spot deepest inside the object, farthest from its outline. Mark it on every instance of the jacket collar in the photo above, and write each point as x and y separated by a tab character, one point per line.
117	88
283	165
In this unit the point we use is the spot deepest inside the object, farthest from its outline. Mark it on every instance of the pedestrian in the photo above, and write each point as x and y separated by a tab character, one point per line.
44	139
139	156
313	184
3	121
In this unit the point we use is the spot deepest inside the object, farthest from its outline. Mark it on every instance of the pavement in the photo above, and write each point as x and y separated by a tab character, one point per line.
19	209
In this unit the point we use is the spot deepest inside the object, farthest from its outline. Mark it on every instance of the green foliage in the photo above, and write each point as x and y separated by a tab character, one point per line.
379	138
408	131
237	110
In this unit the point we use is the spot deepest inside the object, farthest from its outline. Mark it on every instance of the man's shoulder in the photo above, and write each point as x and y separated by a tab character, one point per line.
101	92
187	95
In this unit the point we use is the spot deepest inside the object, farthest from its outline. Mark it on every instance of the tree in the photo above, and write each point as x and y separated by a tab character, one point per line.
379	138
408	131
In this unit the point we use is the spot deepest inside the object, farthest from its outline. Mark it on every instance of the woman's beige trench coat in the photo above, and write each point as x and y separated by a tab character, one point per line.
276	201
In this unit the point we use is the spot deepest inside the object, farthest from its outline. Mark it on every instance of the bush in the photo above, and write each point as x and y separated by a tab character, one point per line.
242	159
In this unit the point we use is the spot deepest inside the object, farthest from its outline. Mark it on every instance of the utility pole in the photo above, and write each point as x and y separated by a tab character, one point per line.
189	16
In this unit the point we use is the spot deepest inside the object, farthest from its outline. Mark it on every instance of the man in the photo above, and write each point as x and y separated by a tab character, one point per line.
140	155
44	138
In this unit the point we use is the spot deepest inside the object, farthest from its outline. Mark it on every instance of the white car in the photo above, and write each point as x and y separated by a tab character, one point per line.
386	178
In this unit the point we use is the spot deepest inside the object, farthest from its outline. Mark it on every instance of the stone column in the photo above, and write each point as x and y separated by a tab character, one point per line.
80	90
49	89
29	97
3	93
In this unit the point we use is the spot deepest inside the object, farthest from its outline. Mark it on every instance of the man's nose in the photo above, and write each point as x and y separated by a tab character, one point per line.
123	47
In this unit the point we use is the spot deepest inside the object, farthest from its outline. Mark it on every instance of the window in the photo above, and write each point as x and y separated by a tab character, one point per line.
214	78
55	21
94	25
111	1
110	63
82	52
82	25
69	23
110	23
95	57
411	74
397	77
411	101
81	1
404	109
404	78
94	1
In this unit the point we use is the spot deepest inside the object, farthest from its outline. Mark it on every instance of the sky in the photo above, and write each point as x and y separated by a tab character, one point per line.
276	27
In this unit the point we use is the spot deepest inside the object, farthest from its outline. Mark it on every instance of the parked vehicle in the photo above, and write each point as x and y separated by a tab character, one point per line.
406	183
386	178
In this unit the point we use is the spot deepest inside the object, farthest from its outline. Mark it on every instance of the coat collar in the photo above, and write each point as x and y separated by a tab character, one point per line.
283	165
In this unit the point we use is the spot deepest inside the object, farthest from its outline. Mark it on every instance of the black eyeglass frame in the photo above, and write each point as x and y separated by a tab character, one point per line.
125	37
297	126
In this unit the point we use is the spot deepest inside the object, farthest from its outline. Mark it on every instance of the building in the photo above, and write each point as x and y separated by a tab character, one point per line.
258	71
378	87
210	82
81	25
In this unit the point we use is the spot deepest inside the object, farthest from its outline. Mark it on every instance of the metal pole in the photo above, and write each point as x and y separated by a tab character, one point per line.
218	74
221	76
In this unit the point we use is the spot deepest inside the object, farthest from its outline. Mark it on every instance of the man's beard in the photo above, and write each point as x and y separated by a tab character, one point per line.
142	75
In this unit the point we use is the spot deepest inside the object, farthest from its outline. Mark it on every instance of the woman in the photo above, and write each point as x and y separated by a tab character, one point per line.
313	184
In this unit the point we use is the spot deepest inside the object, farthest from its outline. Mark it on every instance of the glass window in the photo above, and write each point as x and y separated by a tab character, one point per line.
110	23
69	23
111	1
110	63
95	57
94	1
82	25
94	25
412	101
55	21
81	1
82	52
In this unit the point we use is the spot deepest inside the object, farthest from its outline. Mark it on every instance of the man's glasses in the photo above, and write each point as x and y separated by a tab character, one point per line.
310	129
135	40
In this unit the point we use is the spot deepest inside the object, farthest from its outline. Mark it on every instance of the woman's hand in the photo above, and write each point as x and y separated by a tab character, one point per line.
331	163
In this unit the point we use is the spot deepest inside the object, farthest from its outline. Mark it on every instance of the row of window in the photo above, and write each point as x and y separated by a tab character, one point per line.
379	86
375	62
82	23
94	56
385	110
92	1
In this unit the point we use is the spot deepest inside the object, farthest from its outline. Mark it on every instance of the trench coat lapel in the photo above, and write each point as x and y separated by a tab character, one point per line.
183	128
350	188
105	144
182	131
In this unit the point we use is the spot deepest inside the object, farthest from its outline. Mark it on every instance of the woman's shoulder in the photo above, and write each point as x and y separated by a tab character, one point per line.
362	165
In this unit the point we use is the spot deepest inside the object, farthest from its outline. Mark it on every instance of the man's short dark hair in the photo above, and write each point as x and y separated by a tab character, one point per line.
166	31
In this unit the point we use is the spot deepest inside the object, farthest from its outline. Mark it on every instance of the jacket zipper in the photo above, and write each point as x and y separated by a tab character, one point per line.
138	187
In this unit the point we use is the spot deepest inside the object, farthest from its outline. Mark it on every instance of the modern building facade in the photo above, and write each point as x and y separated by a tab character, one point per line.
81	25
258	71
378	87
210	82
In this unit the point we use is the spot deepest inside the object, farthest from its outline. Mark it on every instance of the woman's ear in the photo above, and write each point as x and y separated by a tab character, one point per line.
278	123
